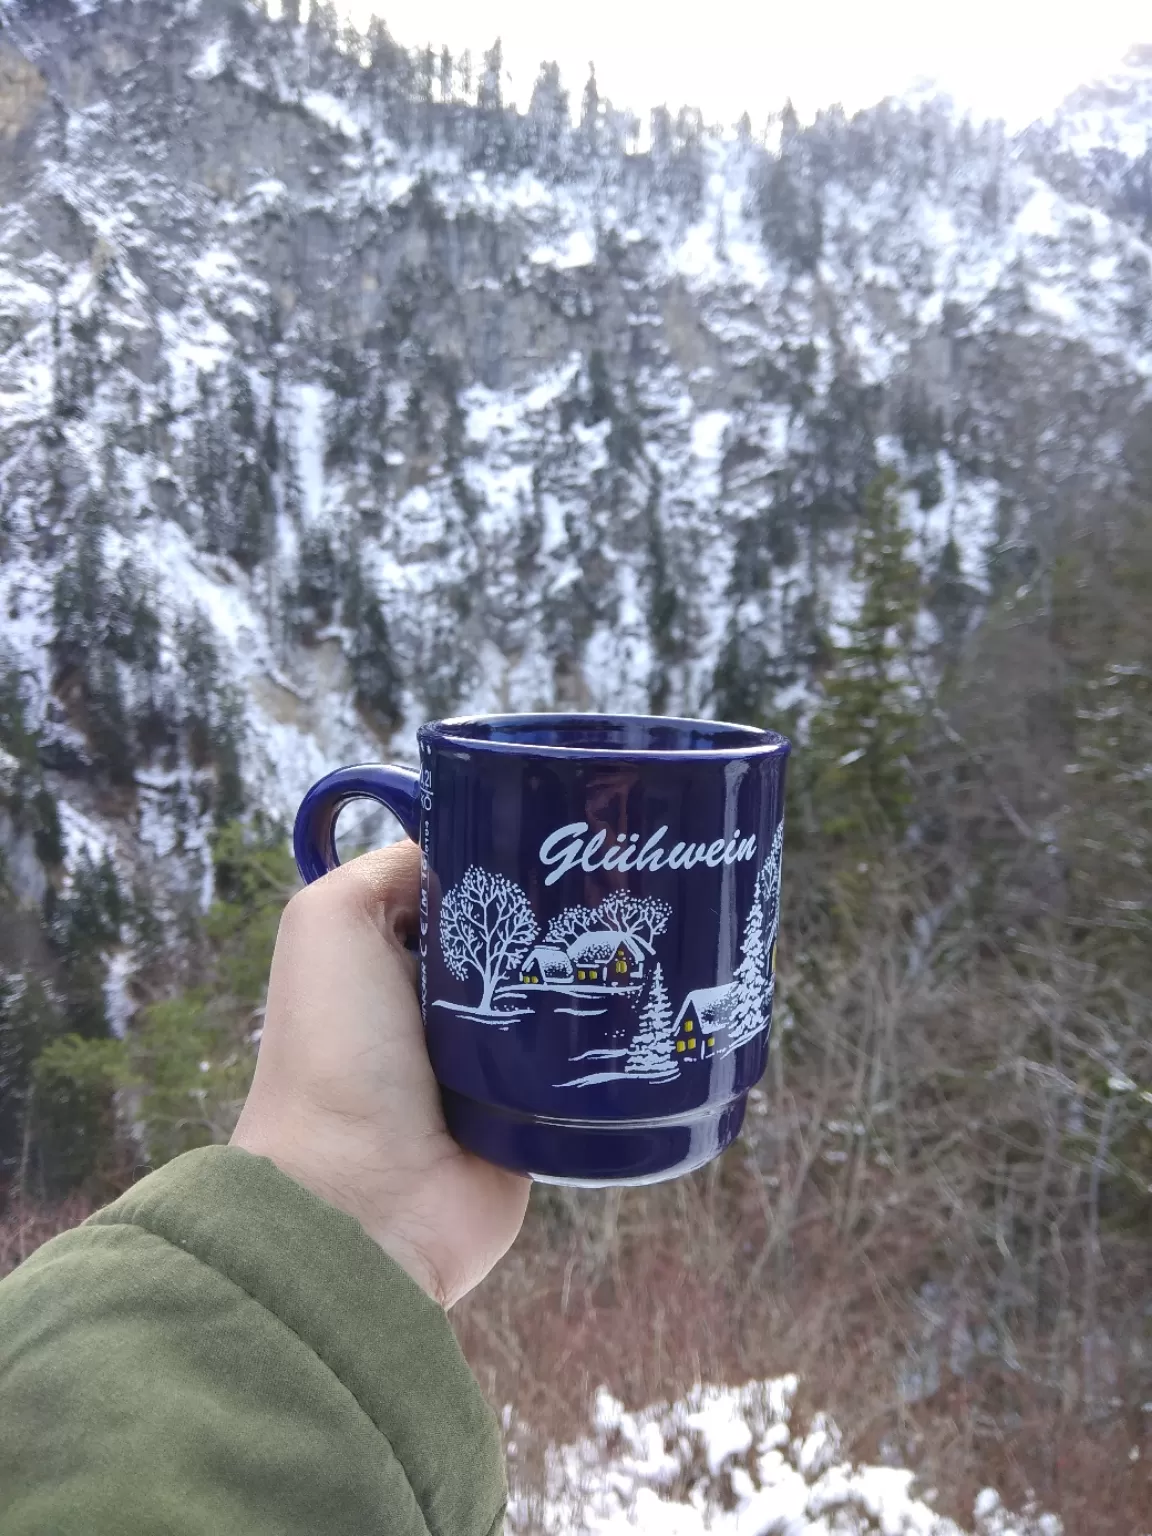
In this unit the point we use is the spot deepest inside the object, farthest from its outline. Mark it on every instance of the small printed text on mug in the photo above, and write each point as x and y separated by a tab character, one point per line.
569	847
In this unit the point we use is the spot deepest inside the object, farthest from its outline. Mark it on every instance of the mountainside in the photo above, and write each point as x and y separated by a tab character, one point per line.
335	394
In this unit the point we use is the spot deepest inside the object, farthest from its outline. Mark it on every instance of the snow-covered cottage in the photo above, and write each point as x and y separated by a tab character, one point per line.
703	1021
607	959
546	963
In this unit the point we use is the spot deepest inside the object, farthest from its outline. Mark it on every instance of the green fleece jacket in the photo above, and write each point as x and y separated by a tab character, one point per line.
219	1353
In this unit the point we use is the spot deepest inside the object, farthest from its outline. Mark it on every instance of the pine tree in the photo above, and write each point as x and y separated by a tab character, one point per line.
254	518
324	22
109	727
425	75
661	136
664	607
28	1020
490	97
865	724
270	443
791	212
950	598
1100	623
211	455
133	627
601	400
312	606
590	109
375	679
383	52
548	118
651	1053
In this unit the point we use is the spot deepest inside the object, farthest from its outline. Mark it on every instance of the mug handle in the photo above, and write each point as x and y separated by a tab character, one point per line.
314	836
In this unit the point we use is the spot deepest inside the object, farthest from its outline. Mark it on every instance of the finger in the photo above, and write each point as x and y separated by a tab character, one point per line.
383	885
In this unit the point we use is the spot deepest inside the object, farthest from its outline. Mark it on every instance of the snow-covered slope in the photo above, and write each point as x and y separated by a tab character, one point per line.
386	404
731	1462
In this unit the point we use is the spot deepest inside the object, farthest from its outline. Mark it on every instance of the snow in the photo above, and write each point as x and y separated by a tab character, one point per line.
731	1462
83	836
194	345
1041	214
332	112
708	434
575	250
311	403
118	1006
180	266
212	62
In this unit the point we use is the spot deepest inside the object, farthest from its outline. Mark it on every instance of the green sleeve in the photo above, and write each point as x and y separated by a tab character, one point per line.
220	1351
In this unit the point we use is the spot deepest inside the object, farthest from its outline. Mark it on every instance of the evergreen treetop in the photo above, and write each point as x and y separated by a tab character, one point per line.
864	727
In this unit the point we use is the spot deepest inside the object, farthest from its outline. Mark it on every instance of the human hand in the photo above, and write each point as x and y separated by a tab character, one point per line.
344	1100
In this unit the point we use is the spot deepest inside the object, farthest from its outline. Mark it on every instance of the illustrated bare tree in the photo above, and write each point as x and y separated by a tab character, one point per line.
570	924
643	917
486	926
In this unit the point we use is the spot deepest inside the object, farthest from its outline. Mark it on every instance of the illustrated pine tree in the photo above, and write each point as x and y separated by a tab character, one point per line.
750	993
754	980
486	926
652	1052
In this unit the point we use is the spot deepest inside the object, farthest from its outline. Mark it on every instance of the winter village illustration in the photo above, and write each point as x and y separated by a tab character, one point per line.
591	955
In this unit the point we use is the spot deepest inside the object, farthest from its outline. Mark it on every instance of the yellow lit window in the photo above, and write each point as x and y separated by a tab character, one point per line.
711	1039
691	1045
688	1027
621	967
680	1045
579	975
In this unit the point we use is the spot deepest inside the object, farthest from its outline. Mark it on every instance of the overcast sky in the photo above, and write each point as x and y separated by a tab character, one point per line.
1010	58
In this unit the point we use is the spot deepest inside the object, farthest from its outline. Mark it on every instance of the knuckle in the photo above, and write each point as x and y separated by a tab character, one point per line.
313	901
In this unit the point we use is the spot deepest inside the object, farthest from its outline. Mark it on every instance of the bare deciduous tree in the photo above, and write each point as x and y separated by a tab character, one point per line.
486	925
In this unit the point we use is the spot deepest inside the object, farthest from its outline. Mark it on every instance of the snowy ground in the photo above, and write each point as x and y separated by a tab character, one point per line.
729	1461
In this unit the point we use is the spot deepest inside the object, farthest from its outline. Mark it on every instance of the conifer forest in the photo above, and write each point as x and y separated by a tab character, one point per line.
338	392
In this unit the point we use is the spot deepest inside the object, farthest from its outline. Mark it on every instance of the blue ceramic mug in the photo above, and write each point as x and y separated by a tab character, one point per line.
600	899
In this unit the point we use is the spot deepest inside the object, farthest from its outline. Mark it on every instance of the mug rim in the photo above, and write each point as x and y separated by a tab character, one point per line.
453	732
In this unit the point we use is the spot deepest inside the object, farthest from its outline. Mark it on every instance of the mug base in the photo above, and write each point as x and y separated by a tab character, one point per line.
591	1154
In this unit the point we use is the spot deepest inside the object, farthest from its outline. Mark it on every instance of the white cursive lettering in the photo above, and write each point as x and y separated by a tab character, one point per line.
628	855
568	848
612	857
553	849
652	856
592	848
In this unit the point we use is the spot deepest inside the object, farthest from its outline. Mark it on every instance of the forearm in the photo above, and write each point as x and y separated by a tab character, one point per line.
220	1350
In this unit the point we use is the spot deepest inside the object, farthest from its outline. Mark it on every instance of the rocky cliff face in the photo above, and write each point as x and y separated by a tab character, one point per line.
335	394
